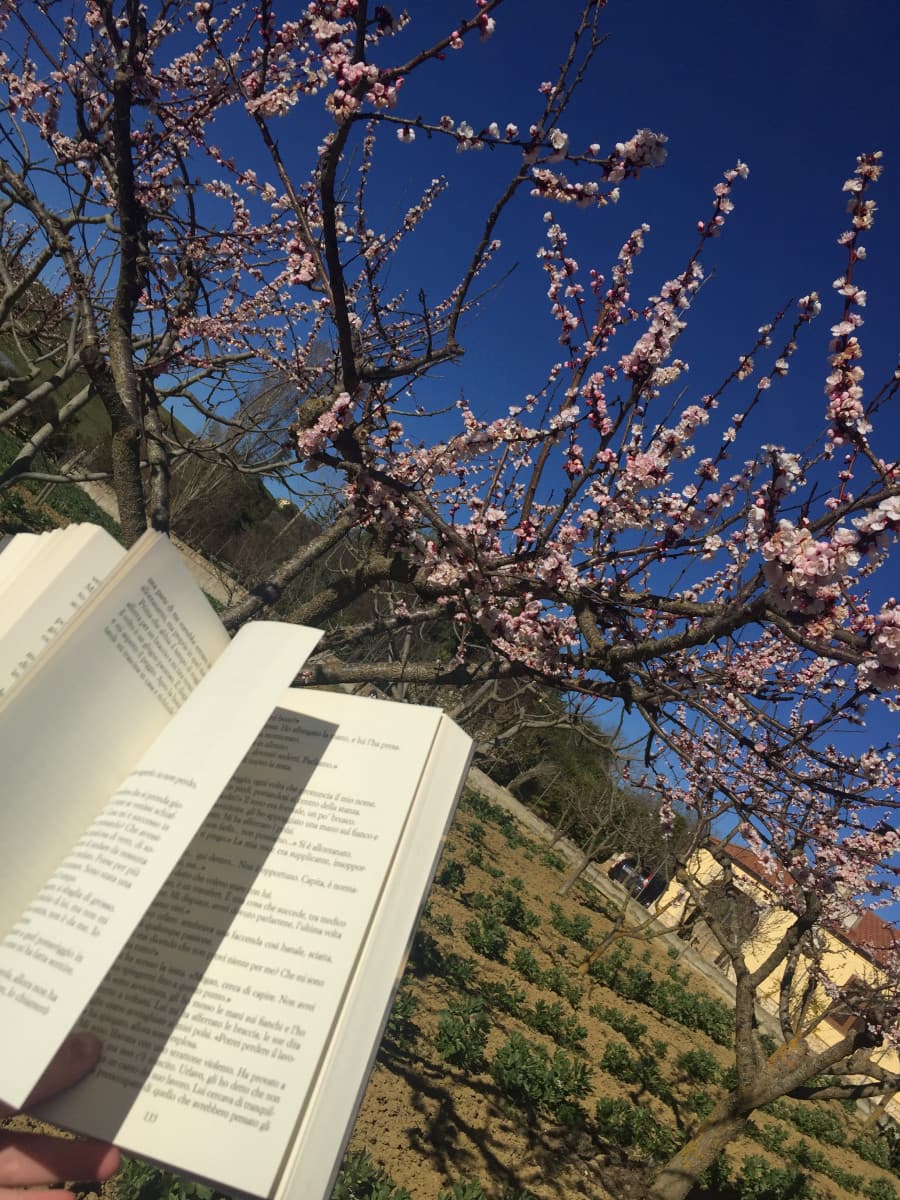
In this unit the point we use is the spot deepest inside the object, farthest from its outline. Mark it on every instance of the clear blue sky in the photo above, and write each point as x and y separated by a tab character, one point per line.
796	90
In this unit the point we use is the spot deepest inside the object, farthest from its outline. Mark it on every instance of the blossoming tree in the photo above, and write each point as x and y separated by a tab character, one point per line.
602	535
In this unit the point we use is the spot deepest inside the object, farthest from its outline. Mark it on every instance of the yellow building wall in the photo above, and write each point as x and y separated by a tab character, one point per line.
840	962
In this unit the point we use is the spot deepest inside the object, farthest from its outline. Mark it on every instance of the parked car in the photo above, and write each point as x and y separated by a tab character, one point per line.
643	884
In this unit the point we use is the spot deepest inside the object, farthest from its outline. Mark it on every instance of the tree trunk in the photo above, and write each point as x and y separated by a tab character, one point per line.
681	1173
577	871
126	462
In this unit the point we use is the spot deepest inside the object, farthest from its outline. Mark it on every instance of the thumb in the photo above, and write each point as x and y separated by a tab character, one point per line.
76	1057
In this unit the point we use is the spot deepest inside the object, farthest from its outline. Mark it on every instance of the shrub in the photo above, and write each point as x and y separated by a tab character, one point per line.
443	923
462	1033
558	981
463	1189
507	998
400	1027
527	965
474	857
630	1027
425	956
458	970
699	1066
817	1123
879	1189
553	860
625	1124
717	1176
510	909
873	1150
360	1178
641	1068
577	928
487	937
761	1181
526	1074
700	1102
452	875
552	1020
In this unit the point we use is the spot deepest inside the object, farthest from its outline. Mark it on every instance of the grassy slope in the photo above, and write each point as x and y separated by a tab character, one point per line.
428	1123
452	1114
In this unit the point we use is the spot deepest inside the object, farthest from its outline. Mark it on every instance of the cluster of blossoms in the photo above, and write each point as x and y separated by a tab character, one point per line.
644	149
882	670
843	387
327	427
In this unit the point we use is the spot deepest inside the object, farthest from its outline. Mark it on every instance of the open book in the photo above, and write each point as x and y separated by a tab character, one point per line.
217	874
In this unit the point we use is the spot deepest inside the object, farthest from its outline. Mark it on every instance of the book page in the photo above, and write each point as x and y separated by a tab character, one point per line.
315	1156
59	950
18	556
216	1015
82	717
50	597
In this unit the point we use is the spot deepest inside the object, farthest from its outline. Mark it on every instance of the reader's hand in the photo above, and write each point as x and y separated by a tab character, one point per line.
27	1159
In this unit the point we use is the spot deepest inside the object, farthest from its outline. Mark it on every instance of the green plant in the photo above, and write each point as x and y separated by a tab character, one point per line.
527	965
510	909
879	1189
360	1178
630	1027
525	1073
400	1027
717	1176
813	1120
463	1189
487	937
452	875
699	1066
806	1155
462	1033
425	956
761	1181
549	1018
700	1102
474	857
458	970
625	1124
476	833
558	981
873	1150
606	970
443	923
577	928
641	1068
729	1078
504	996
511	1192
553	860
772	1136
